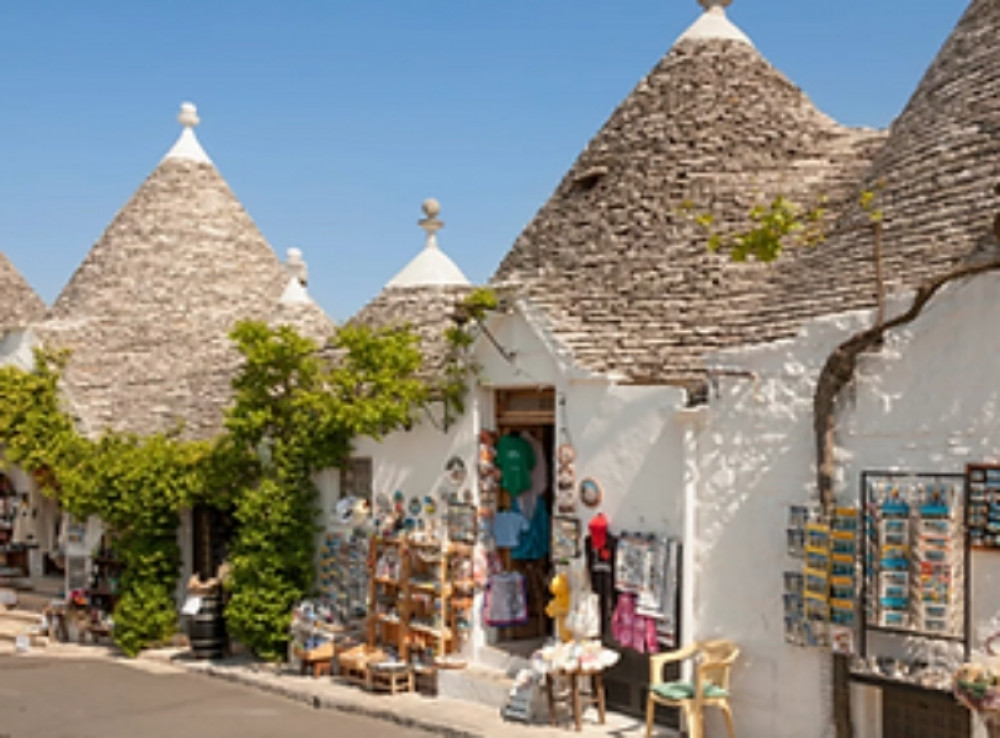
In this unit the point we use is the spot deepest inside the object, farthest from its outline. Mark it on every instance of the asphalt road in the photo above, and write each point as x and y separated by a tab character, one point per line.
58	698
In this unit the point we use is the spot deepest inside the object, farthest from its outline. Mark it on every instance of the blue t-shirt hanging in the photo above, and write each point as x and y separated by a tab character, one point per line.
515	459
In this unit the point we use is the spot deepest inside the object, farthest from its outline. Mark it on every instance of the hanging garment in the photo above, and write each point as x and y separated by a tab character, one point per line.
632	630
600	561
535	540
539	478
630	564
653	589
506	601
515	459
507	528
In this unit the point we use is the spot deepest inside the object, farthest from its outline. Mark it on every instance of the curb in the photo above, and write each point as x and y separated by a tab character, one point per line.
332	703
321	702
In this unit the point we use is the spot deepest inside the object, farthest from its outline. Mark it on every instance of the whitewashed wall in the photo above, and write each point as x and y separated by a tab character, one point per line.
625	437
928	401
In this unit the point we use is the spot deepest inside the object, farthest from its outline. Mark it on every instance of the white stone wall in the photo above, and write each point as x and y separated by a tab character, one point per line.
625	437
928	401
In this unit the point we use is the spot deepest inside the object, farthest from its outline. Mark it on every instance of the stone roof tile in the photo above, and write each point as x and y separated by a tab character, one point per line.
20	305
148	312
623	275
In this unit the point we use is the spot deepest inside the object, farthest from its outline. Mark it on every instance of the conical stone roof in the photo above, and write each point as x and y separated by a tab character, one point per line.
623	275
422	296
20	305
148	312
935	176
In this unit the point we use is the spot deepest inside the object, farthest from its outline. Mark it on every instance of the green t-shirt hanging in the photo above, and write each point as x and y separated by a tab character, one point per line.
515	460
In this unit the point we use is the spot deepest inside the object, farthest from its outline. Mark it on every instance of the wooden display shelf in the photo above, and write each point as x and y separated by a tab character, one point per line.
430	630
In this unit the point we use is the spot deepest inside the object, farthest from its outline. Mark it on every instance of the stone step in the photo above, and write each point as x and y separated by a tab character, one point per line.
476	684
18	622
17	615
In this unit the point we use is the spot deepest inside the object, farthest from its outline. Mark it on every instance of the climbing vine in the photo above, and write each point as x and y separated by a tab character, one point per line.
459	369
774	226
136	486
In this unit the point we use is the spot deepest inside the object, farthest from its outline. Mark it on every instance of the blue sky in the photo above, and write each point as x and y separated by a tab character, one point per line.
333	120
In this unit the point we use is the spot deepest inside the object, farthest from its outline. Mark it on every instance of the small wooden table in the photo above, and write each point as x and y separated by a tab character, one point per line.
575	699
318	660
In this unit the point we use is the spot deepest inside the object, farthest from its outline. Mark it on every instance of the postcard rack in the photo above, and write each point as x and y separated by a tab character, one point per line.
914	559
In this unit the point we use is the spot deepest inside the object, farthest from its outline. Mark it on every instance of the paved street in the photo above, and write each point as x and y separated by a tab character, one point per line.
50	698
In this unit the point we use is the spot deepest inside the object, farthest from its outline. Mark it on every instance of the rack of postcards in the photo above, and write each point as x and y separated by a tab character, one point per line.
343	574
914	624
983	484
820	596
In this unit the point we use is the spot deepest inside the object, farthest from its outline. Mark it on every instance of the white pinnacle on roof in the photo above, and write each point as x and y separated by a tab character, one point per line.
187	146
298	276
714	24
431	267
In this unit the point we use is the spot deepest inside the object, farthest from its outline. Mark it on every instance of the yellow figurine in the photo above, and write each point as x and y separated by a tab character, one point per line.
558	607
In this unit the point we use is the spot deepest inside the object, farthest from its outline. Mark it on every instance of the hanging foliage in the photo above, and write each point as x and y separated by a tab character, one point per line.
294	414
136	486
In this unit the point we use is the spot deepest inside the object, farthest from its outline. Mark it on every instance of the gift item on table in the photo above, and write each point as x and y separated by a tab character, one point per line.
577	656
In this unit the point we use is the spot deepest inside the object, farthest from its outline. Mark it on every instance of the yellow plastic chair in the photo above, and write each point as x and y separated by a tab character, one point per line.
714	660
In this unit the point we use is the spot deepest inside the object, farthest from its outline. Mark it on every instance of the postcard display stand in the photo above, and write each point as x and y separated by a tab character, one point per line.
343	575
915	556
820	599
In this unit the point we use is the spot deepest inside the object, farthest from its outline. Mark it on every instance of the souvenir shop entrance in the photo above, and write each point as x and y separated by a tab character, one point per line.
525	438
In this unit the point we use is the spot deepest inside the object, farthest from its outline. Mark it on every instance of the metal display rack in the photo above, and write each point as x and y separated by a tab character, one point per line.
982	485
929	517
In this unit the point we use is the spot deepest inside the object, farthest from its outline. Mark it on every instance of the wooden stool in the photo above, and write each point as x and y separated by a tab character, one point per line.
355	664
319	660
574	698
394	679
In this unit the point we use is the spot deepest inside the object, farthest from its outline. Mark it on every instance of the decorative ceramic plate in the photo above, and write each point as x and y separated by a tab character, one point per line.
590	492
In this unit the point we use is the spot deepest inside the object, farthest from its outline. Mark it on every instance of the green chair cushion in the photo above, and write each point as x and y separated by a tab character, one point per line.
685	691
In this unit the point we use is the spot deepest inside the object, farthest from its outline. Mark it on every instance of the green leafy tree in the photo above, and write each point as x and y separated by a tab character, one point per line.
294	414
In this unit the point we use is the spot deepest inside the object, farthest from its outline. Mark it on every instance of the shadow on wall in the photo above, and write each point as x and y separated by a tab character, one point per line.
755	458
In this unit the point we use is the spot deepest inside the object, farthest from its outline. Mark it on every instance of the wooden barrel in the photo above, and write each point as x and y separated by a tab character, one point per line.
207	628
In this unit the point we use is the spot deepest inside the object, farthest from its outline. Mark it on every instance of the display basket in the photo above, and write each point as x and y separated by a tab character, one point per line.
977	687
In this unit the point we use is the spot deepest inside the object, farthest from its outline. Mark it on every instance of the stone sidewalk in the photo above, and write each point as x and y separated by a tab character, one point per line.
439	715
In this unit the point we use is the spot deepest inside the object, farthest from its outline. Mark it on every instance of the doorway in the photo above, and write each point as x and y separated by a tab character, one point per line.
529	415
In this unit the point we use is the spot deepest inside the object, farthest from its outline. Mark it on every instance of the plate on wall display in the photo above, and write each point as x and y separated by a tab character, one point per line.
414	506
566	454
590	492
455	471
566	479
